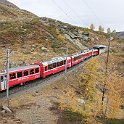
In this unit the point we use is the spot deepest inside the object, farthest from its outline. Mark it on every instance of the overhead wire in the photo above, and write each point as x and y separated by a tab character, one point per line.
92	11
82	2
75	13
59	7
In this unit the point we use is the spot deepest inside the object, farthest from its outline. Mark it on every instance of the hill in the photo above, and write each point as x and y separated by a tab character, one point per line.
5	2
43	38
9	11
120	35
32	38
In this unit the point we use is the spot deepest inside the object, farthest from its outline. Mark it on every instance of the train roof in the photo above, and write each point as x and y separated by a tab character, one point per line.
21	68
81	53
54	60
100	46
76	54
88	50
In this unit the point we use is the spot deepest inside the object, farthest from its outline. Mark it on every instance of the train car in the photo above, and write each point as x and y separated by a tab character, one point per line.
101	48
2	84
20	75
95	52
76	58
54	65
24	74
87	53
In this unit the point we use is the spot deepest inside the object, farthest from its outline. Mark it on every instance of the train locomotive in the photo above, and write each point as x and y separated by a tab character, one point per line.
20	75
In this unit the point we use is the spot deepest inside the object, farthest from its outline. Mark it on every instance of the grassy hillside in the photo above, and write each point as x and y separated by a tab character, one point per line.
31	38
41	39
13	13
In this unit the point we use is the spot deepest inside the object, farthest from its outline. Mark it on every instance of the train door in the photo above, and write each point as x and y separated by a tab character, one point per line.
2	82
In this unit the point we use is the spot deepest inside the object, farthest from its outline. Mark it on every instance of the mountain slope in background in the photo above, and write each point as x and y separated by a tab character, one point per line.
120	35
31	38
10	11
5	2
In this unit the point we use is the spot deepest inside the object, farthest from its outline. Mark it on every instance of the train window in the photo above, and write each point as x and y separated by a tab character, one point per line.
75	58
37	70
54	65
19	74
31	71
58	64
1	79
45	68
50	66
102	48
61	63
64	61
25	72
12	76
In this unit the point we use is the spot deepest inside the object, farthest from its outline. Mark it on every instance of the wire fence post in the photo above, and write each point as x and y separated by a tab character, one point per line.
106	73
66	63
92	52
7	76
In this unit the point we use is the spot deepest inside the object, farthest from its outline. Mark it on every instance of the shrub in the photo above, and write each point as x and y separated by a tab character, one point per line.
72	116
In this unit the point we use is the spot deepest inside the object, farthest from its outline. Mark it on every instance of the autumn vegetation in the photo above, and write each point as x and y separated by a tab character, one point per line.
86	98
93	94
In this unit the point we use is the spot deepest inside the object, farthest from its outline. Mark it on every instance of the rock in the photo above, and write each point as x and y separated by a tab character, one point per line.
36	92
3	111
81	101
44	49
97	38
6	108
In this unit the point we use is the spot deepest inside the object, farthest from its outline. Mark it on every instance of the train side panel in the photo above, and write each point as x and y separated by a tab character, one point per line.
55	67
95	52
19	79
75	62
21	76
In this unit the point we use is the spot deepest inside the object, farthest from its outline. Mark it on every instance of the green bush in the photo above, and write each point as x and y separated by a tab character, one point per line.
72	116
114	121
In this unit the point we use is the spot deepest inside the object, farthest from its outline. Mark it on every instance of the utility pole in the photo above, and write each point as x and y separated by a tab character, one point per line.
92	52
7	76
108	52
66	63
106	73
107	59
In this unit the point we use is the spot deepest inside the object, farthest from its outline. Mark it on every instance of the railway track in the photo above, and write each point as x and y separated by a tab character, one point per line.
39	82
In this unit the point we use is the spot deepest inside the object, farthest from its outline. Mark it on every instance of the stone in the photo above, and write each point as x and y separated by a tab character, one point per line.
3	111
6	108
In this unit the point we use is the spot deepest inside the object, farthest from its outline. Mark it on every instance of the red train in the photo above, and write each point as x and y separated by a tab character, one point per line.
24	74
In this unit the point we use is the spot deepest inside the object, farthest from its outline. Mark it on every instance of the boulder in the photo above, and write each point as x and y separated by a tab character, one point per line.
6	108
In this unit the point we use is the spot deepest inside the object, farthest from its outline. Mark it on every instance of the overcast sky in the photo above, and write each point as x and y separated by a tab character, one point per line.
108	13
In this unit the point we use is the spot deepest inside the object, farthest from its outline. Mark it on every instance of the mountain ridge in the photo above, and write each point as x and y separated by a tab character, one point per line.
6	2
120	34
9	11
